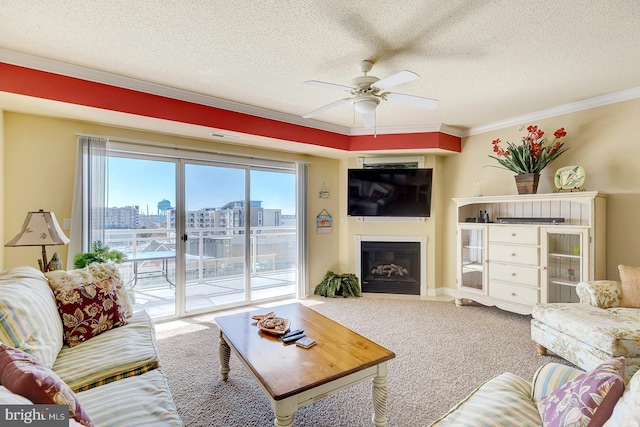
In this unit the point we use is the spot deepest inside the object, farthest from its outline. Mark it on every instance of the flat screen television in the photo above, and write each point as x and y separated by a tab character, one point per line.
389	192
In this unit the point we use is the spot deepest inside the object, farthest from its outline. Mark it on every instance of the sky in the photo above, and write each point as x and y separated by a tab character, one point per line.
147	182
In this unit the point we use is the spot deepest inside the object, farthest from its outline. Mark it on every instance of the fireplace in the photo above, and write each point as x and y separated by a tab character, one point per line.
391	265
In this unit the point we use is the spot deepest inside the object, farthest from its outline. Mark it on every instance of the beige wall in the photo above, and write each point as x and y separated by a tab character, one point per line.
39	161
324	249
602	140
39	167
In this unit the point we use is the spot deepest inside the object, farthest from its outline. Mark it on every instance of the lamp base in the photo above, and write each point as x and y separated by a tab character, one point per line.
43	263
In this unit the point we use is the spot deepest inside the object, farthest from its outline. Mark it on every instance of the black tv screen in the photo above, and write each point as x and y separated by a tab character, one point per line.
390	192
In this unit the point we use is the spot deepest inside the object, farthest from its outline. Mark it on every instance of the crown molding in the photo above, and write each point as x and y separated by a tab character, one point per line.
599	101
390	130
98	76
117	80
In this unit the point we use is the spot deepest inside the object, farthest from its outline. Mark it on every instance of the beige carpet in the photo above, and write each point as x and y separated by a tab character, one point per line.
442	353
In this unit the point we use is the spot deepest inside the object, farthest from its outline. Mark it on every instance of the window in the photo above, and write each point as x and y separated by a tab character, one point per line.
201	231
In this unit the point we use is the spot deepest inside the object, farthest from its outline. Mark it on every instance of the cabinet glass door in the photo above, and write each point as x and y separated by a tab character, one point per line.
564	266
472	255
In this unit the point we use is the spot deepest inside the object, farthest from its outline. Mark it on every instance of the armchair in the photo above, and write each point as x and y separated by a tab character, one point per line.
595	330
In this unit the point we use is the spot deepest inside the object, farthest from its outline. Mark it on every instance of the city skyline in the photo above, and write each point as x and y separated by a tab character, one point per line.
145	183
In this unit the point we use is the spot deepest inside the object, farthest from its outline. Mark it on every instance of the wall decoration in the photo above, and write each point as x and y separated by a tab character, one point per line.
323	193
324	222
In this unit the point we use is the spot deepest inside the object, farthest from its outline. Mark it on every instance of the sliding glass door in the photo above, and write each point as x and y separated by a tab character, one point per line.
240	244
201	234
273	268
139	194
215	244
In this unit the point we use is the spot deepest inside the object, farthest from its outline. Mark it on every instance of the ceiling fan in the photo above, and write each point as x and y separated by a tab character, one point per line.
368	90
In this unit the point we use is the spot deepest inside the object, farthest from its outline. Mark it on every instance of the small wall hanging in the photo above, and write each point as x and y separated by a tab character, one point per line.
323	193
323	222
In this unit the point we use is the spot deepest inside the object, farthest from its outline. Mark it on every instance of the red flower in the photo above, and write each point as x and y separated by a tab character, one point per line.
560	133
535	149
496	148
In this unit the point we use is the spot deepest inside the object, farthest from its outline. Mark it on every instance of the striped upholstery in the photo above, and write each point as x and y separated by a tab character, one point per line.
121	361
140	401
550	377
118	353
29	318
503	401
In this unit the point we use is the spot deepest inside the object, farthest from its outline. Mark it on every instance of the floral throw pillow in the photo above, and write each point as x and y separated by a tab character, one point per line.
587	400
91	274
89	310
22	374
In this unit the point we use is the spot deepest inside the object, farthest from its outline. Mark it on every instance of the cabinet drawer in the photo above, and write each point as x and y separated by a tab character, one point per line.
527	255
520	274
521	235
513	293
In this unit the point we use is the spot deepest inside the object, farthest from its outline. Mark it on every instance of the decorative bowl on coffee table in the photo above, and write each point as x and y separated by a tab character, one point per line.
274	325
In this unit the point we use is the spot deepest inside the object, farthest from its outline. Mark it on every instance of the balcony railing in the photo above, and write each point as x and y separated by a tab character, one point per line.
211	253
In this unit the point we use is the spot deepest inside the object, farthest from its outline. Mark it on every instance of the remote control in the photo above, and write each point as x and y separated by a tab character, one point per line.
291	333
292	338
305	342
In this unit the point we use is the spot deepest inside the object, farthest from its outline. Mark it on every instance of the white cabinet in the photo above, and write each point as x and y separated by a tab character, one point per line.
472	244
566	262
514	258
534	248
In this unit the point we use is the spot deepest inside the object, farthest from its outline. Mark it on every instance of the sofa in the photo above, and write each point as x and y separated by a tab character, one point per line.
605	324
71	338
558	395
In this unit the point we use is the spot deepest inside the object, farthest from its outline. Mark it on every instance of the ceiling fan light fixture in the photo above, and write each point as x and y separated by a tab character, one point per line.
366	105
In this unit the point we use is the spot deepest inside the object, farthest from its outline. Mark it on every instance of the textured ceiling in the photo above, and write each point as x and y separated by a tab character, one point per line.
486	61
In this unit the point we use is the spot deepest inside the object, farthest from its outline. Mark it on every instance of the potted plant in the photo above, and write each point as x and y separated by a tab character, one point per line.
529	158
338	284
99	253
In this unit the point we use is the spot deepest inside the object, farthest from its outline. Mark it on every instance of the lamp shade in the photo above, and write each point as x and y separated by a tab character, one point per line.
366	105
39	229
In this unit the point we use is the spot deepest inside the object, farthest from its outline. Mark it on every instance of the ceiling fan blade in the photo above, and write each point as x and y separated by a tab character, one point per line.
395	80
326	107
416	101
328	85
369	119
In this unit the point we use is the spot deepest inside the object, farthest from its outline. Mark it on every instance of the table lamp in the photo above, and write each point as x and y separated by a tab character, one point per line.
40	229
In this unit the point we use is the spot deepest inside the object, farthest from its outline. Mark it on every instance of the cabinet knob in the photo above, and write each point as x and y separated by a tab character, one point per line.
513	274
513	254
513	294
514	234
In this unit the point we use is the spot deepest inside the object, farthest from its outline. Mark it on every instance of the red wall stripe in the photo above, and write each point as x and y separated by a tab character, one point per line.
42	84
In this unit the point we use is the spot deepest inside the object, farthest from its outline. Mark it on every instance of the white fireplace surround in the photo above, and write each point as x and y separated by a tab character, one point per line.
423	254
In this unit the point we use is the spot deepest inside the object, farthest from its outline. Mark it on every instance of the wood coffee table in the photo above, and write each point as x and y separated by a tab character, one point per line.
293	376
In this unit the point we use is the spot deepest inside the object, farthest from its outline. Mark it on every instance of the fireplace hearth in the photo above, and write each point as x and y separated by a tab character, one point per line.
390	267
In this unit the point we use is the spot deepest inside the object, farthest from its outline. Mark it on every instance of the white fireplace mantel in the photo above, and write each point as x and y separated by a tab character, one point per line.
423	254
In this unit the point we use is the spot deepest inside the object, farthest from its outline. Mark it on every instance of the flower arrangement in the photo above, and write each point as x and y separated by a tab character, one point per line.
533	154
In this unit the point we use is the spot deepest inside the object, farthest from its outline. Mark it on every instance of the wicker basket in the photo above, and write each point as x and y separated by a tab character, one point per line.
274	325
